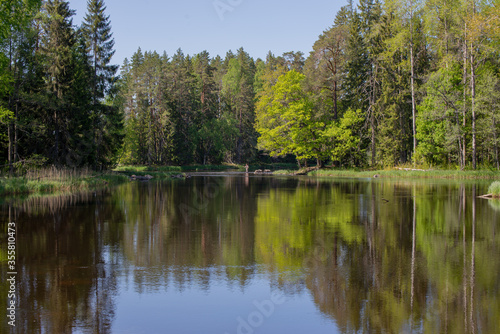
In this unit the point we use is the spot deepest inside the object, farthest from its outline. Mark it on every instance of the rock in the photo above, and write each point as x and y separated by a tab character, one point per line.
141	178
258	171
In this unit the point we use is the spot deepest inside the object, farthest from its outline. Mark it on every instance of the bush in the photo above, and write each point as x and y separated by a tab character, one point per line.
494	189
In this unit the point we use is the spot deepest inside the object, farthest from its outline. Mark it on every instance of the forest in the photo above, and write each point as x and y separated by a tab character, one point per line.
389	83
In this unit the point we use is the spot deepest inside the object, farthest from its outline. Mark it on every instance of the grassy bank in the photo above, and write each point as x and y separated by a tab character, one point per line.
396	173
57	180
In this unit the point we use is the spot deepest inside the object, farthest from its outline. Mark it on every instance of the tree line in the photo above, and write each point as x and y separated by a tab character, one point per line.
390	82
393	82
57	86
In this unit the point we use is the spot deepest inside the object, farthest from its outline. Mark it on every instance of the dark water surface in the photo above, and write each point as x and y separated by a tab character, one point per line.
233	254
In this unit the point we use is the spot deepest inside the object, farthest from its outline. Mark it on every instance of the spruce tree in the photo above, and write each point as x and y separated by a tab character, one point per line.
99	40
100	43
57	44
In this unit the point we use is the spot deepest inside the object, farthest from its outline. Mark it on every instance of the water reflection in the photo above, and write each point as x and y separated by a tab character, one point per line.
373	255
63	280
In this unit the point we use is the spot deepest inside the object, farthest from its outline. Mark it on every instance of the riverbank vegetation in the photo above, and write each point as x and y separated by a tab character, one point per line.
398	173
58	180
494	189
390	83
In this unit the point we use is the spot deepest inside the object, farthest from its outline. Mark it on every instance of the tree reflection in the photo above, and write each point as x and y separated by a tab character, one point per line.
63	278
376	255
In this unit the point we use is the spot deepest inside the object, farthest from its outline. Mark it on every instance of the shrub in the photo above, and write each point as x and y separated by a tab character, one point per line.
494	189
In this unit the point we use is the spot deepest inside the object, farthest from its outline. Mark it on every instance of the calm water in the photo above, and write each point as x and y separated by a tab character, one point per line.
233	254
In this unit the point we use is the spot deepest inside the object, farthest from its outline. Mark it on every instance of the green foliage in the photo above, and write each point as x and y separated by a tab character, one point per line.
286	121
353	97
439	122
57	180
48	90
5	115
494	189
345	137
239	92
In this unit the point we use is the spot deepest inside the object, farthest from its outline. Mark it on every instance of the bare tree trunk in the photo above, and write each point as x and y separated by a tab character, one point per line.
11	123
473	96
463	158
56	138
413	103
335	103
16	115
372	117
11	149
497	162
240	139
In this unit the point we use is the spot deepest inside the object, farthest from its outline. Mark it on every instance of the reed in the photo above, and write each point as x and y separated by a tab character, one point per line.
50	180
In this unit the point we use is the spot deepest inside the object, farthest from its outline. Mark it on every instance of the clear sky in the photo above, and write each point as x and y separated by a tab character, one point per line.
217	26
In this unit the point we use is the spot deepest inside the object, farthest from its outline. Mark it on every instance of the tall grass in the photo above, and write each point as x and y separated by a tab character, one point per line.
53	179
445	174
58	174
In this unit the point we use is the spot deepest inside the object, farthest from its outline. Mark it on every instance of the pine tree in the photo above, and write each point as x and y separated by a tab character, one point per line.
324	67
239	90
370	12
356	67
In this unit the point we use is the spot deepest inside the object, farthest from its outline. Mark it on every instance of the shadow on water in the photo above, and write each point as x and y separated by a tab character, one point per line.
374	255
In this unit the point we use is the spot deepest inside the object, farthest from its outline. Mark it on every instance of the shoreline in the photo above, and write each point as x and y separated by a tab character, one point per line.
402	173
18	186
70	182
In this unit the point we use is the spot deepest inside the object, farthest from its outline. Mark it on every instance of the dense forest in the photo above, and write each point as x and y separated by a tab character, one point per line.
57	86
403	81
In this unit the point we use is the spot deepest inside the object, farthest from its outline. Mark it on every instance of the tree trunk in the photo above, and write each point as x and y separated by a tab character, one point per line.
497	162
413	103
56	138
372	113
463	161
240	139
473	97
16	115
10	129
11	148
335	103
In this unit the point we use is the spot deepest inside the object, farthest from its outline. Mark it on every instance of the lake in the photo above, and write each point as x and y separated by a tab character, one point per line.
235	254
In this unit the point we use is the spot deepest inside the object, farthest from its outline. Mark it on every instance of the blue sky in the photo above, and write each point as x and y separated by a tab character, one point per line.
217	26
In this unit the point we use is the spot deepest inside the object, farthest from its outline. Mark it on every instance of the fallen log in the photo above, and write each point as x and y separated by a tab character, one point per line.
306	171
